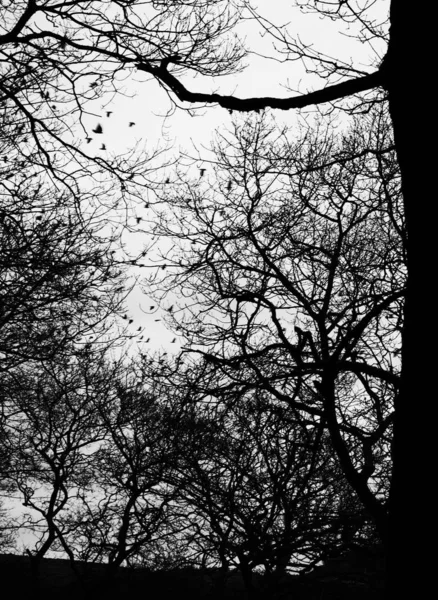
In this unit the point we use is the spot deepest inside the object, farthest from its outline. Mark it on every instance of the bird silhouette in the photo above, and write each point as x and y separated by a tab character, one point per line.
103	147
202	172
131	124
98	128
109	113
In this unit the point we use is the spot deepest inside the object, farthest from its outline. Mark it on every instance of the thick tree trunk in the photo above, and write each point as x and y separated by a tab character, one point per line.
411	511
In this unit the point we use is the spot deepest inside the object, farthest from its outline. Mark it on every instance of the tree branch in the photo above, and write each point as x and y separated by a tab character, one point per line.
30	10
328	94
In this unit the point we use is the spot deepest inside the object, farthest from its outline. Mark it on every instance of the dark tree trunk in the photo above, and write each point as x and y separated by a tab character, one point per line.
247	577
411	511
35	565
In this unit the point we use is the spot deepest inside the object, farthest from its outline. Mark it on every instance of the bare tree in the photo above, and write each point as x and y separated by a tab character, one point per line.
59	283
291	274
52	427
63	209
55	59
400	37
169	41
124	510
264	490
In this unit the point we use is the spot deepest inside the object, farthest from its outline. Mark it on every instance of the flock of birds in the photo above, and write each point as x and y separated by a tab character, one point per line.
99	130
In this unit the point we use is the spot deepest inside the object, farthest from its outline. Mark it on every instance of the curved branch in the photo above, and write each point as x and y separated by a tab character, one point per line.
328	94
29	11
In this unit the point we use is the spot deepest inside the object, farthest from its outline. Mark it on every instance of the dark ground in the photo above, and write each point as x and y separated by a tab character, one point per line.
335	581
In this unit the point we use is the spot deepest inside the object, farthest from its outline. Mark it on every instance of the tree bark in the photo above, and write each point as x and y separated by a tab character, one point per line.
411	515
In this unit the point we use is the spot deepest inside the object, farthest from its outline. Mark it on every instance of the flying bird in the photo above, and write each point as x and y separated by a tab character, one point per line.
88	139
98	128
109	113
202	172
131	124
173	341
103	147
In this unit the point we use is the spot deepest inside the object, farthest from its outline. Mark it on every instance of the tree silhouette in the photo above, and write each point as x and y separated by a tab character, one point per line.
171	39
265	490
412	436
58	280
296	282
126	510
51	426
